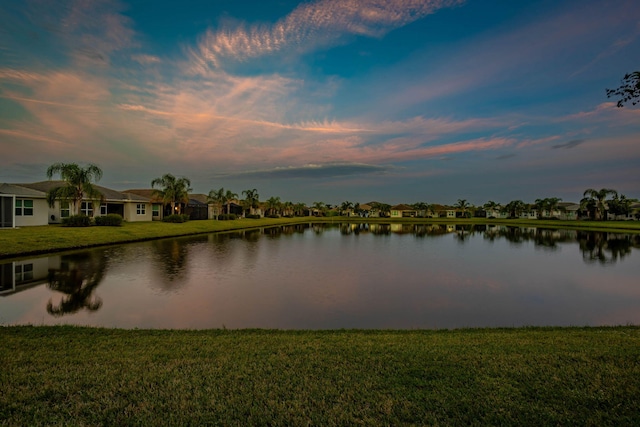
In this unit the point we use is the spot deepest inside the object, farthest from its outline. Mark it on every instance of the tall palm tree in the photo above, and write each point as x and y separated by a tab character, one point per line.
345	207
78	186
216	197
514	208
599	197
298	209
463	206
491	206
288	208
421	207
552	204
273	204
319	206
228	197
251	199
174	190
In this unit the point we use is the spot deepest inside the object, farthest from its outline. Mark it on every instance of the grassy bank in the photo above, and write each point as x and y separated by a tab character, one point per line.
538	376
51	238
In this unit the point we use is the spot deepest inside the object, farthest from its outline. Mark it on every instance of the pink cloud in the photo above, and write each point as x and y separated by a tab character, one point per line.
310	25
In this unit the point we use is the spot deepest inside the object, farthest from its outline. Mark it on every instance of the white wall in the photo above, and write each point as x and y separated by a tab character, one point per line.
40	213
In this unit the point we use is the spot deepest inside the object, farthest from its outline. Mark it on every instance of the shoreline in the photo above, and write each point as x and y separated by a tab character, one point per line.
41	240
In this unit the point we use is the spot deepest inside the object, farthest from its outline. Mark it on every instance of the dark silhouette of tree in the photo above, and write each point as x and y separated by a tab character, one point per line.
77	278
628	91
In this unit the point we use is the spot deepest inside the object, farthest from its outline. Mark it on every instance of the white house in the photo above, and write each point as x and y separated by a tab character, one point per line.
26	205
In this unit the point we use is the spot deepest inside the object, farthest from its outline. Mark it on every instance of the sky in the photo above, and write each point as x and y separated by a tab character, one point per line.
331	100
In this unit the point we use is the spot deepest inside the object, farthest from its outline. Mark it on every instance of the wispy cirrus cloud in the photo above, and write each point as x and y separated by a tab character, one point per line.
309	26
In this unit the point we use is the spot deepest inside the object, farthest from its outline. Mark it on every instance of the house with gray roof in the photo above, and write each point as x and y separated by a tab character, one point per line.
26	205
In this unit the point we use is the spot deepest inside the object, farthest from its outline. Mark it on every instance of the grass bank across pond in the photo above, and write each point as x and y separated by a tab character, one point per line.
50	238
536	376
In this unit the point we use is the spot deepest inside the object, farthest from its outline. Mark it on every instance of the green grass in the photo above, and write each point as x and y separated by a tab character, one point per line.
529	376
50	238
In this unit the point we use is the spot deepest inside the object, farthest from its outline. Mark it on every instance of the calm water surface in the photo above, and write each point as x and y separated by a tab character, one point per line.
336	276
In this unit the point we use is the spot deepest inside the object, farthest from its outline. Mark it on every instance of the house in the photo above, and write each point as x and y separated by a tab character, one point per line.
24	274
29	207
21	206
403	211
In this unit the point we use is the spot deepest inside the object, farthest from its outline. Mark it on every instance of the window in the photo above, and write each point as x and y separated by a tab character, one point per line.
155	209
24	207
141	209
103	209
86	208
24	273
65	211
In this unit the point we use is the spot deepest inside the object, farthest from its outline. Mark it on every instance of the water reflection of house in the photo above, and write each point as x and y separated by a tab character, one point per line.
24	274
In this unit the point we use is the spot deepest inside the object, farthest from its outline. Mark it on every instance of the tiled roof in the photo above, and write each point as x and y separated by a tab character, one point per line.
402	207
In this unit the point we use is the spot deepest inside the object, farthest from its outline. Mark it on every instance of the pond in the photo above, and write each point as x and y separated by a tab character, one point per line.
330	276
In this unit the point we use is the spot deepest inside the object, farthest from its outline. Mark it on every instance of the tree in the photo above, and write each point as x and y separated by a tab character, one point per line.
251	199
273	204
596	199
514	208
78	186
552	204
629	90
621	205
547	205
298	209
463	206
491	206
228	197
217	198
174	190
346	206
320	207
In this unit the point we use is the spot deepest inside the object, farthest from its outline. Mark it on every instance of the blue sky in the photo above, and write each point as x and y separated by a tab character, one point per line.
330	100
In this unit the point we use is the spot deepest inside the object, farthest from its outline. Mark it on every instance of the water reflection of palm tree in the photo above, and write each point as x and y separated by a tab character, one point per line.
603	248
171	255
77	278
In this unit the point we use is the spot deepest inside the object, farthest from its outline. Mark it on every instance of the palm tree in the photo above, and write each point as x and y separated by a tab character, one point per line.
421	207
599	197
78	184
251	199
514	208
462	205
174	190
298	209
552	204
228	197
216	197
273	204
288	208
491	206
345	207
319	206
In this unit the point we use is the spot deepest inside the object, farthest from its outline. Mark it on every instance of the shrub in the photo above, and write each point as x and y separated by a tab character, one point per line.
110	220
252	216
76	221
226	217
176	218
272	216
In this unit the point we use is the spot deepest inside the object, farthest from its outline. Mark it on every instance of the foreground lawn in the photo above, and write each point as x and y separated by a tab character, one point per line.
538	376
51	238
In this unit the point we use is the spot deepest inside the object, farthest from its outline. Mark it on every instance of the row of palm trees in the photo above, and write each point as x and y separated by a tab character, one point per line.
79	185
